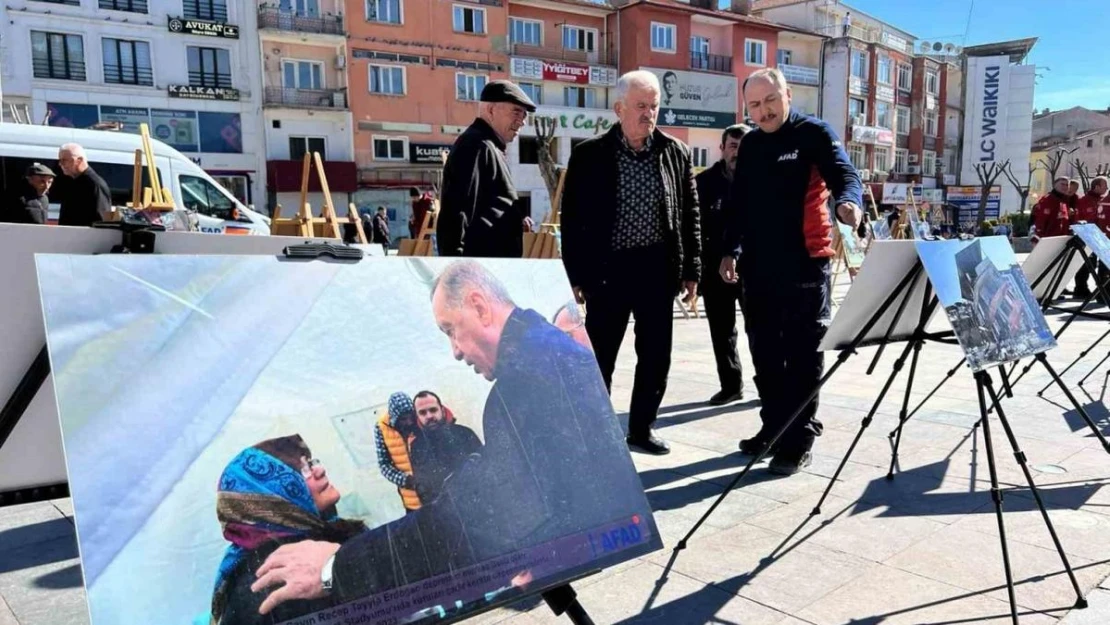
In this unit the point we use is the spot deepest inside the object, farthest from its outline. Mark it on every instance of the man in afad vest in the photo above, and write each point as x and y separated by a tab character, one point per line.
1088	209
1050	215
394	435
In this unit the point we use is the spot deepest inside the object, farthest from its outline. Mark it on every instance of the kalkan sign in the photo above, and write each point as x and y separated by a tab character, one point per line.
190	92
203	27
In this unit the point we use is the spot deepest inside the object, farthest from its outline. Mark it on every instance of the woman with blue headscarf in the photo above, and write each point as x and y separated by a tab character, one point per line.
271	494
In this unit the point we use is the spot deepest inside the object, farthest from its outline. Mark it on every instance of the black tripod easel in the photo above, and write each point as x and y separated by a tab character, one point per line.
136	238
1055	273
903	290
563	600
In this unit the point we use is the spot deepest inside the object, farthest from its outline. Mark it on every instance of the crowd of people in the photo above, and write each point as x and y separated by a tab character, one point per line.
88	201
639	228
1058	210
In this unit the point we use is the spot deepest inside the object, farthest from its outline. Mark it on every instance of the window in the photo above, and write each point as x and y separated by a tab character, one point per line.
931	123
130	6
389	148
662	37
209	67
57	55
900	157
886	70
127	62
527	32
857	155
700	157
468	87
884	115
755	52
880	159
470	20
299	146
197	194
301	8
857	111
950	159
1090	143
302	74
529	150
580	97
213	10
387	79
905	77
932	82
903	120
581	39
1106	140
699	46
238	188
929	163
384	11
534	91
860	62
785	57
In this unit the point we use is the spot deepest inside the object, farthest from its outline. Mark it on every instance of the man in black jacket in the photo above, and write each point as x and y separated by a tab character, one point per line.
478	211
553	464
380	228
720	297
786	171
630	238
88	200
440	446
31	205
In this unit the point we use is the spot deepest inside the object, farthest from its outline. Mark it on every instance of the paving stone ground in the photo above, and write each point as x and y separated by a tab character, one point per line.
920	549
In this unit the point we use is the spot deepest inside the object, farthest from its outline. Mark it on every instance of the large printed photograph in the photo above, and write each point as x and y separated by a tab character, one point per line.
987	299
251	440
1095	240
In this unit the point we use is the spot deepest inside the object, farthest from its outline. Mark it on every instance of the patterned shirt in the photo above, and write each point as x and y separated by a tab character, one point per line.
640	215
385	461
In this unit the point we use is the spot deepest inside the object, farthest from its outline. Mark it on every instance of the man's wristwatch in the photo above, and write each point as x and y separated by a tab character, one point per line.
326	579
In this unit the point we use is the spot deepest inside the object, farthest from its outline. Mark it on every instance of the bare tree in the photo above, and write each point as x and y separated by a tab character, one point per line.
1085	175
1053	162
1022	189
988	173
549	165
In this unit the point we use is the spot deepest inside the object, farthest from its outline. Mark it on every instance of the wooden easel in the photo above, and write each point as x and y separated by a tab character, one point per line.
422	244
544	244
155	197
304	224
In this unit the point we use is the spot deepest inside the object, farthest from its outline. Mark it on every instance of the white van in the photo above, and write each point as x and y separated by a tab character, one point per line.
112	155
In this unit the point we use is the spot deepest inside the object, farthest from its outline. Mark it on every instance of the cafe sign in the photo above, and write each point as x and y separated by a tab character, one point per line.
190	92
203	28
572	122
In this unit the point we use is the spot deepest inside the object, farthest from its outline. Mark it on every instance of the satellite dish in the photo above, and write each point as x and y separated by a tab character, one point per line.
937	47
925	46
949	48
958	50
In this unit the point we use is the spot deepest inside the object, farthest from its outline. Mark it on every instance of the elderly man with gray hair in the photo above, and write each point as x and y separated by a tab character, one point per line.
631	241
88	199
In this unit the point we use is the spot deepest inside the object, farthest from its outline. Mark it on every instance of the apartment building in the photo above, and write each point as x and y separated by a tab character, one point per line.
702	56
303	46
187	68
416	71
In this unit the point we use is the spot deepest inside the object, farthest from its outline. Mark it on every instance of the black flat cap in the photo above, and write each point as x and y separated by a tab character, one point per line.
507	91
38	169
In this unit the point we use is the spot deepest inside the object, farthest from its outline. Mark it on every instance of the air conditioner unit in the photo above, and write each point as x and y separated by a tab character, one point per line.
859	120
865	175
340	61
913	158
913	169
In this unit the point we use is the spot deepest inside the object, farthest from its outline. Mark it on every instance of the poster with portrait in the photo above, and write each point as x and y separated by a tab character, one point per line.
455	454
987	299
1095	240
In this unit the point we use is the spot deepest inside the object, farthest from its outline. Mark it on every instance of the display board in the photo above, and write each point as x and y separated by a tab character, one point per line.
853	249
499	467
887	263
32	455
1044	252
987	299
1095	240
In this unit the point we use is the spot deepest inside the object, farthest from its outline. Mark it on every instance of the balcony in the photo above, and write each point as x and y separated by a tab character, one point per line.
711	62
129	75
602	55
209	79
276	19
306	98
800	74
129	6
59	69
205	10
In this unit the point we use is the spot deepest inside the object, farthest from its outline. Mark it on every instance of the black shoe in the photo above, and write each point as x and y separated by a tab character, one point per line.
1081	294
789	464
753	446
726	397
651	444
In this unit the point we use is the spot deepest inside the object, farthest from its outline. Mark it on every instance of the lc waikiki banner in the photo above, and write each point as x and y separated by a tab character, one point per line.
696	100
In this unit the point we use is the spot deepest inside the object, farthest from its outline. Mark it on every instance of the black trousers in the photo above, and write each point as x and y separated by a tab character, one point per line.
640	287
785	324
720	300
1084	272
